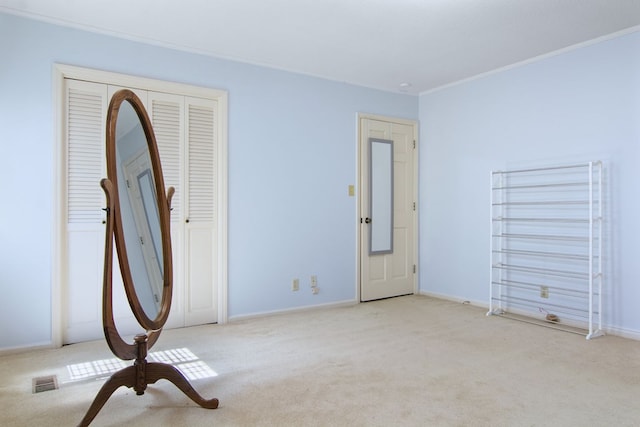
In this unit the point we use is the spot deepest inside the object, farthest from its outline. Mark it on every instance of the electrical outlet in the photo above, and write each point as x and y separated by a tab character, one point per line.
544	292
295	285
315	290
314	281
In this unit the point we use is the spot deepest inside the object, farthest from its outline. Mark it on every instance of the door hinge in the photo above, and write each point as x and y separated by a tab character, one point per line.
414	144
141	240
414	206
414	269
128	185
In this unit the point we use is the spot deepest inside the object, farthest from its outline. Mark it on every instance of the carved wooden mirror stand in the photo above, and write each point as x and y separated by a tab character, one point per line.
138	220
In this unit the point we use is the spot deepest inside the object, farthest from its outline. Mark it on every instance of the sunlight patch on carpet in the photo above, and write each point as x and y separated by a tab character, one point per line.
182	358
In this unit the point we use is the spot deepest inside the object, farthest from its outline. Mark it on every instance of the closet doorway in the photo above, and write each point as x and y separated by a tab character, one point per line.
190	128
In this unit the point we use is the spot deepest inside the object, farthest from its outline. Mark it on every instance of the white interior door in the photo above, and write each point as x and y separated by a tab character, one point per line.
388	227
140	187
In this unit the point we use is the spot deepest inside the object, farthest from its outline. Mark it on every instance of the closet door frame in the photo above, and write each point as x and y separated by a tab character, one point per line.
62	72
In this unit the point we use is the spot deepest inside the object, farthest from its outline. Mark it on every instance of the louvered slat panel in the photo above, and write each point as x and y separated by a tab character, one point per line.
85	153
166	125
201	163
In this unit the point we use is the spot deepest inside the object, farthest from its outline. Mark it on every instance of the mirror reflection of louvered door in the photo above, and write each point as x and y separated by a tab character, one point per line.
185	132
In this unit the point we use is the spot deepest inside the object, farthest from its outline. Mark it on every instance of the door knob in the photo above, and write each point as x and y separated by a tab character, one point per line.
368	220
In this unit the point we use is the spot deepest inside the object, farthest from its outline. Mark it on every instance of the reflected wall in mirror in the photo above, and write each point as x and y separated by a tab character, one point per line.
380	196
138	221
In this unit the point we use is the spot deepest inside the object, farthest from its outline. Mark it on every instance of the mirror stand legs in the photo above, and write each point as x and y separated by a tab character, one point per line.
157	371
138	376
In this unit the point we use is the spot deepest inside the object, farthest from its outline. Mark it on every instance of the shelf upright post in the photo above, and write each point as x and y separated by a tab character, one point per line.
491	238
590	250
496	184
600	225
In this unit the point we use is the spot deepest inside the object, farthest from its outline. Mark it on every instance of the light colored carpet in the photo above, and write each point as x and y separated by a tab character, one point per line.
409	361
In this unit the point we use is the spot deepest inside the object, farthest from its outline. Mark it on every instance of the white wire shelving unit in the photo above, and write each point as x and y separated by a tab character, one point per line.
546	246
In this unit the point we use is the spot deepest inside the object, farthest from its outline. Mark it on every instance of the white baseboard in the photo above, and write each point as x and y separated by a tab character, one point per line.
481	304
292	310
609	330
31	347
621	332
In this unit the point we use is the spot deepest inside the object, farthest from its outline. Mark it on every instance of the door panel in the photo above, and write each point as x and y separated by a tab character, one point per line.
202	299
387	275
400	266
85	300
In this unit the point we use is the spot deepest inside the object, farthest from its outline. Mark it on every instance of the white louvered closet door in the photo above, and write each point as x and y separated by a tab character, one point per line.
84	167
185	133
86	105
200	226
167	117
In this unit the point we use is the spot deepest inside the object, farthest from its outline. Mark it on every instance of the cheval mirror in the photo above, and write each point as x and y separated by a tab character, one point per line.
138	219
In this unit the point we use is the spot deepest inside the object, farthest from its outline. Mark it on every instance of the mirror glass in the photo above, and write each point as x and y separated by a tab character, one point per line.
380	196
139	210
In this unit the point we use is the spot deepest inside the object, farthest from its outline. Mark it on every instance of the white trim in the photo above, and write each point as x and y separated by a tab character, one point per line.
62	72
453	298
624	333
538	58
359	117
306	308
609	330
223	208
6	351
388	119
56	219
143	83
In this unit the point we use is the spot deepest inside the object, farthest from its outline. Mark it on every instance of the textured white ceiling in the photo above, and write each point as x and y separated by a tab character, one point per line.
373	43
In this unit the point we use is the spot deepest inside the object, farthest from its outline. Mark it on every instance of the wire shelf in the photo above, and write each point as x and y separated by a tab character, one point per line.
546	245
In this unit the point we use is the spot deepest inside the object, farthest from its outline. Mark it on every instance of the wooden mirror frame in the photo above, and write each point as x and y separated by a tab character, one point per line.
141	373
163	202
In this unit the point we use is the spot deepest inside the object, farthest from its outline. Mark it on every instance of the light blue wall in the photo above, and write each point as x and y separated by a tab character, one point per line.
577	106
292	155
